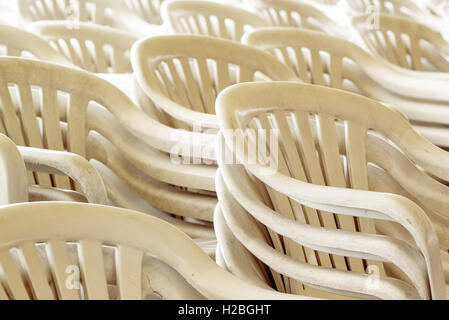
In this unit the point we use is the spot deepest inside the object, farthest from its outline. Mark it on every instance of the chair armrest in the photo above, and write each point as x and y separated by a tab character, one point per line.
69	164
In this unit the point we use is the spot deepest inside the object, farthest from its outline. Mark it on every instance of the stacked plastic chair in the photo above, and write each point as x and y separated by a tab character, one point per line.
301	206
65	109
341	64
209	18
148	10
16	42
150	182
114	14
416	51
177	81
91	47
106	253
408	8
412	9
298	14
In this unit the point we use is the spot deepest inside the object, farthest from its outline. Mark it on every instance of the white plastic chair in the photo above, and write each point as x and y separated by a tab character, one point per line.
297	13
65	109
102	12
408	8
182	75
74	251
331	61
327	137
91	47
96	11
404	43
82	48
20	43
412	9
209	18
148	10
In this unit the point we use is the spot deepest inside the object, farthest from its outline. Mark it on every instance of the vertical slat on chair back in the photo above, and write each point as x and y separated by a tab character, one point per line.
92	268
129	273
59	262
12	278
37	272
52	128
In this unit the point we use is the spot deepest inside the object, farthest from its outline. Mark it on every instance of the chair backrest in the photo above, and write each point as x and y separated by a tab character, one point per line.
331	61
44	267
148	10
315	57
45	105
209	18
184	74
305	120
91	47
95	11
48	106
404	42
288	13
35	98
407	8
18	43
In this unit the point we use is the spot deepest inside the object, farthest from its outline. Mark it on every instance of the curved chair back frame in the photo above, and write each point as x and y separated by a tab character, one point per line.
209	18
